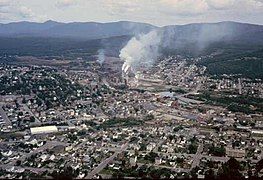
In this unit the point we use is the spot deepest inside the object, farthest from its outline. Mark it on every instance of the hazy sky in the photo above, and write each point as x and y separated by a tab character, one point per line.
157	12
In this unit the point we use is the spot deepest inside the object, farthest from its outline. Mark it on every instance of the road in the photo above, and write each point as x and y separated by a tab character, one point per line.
26	108
107	84
4	116
187	100
104	163
197	157
167	167
186	75
48	145
214	158
158	145
182	97
37	170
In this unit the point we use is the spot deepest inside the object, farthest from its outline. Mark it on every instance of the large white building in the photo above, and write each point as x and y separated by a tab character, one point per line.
43	130
257	132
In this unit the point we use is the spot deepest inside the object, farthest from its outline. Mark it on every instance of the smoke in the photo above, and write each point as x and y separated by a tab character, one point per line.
197	37
140	52
101	56
214	33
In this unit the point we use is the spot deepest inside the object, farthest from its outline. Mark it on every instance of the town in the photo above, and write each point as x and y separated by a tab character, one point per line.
173	120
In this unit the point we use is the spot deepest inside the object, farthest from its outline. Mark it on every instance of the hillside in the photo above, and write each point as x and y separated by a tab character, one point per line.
75	30
42	46
198	38
235	47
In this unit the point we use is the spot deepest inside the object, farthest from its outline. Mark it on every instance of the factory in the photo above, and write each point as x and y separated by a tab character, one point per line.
43	130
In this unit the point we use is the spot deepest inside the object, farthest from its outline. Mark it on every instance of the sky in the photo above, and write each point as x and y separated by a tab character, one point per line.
156	12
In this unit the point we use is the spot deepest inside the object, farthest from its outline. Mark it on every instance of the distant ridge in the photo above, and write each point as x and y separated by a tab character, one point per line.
95	30
78	30
201	35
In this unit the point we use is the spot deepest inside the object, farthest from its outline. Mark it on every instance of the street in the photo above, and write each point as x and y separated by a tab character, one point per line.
4	116
104	163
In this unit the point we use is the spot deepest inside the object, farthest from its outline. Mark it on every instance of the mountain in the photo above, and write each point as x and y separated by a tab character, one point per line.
76	30
177	36
199	37
25	28
228	47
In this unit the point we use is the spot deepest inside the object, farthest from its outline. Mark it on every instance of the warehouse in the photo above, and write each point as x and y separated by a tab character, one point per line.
43	130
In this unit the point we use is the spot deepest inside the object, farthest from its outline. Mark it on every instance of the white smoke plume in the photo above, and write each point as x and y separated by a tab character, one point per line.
101	56
140	52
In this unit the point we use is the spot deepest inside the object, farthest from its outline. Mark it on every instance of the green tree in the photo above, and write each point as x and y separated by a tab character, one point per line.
231	170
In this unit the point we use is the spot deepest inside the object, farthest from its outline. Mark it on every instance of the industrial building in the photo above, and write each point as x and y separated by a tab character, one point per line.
43	130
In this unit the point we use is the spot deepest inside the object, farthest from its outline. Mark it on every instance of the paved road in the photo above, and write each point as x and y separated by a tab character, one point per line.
37	170
186	75
104	163
48	145
167	167
213	158
107	84
197	157
187	100
37	121
158	145
182	97
4	116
